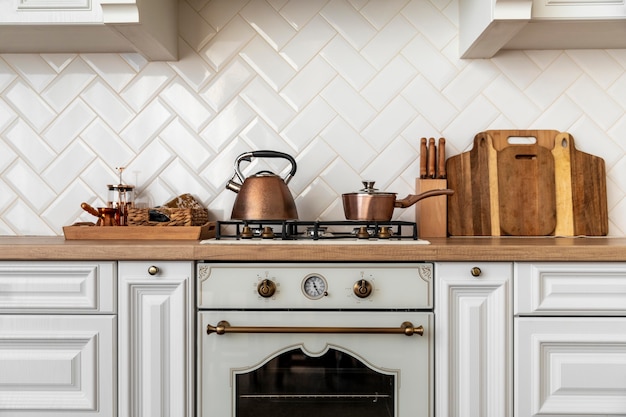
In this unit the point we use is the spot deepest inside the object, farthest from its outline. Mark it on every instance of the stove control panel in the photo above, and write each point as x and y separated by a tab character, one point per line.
315	286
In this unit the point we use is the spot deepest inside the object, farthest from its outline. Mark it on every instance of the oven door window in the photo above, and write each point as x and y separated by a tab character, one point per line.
296	384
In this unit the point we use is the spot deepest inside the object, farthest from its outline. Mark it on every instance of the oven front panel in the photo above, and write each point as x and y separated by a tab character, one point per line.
393	286
374	374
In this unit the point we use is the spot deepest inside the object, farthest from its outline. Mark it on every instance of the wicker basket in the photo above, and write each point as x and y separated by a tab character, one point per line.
178	216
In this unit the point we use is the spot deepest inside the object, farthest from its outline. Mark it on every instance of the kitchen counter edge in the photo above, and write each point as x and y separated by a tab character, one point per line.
440	249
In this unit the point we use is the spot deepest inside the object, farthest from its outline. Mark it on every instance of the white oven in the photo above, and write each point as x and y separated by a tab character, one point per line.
315	339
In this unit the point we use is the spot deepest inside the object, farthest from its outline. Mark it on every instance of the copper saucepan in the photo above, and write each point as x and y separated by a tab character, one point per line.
370	204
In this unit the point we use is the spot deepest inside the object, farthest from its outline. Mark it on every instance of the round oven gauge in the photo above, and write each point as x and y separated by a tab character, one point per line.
314	286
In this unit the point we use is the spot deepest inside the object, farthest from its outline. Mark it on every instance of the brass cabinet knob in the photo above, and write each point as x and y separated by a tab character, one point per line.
266	288
362	288
153	270
476	271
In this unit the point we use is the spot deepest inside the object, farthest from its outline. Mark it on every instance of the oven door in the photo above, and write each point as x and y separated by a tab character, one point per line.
314	364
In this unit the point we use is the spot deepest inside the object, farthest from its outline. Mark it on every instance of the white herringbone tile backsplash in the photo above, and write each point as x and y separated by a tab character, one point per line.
348	87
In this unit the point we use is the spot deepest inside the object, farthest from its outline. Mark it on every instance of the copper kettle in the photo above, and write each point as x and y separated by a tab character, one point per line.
264	195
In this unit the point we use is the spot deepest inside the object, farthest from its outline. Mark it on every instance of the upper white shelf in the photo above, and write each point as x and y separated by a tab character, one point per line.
149	27
488	26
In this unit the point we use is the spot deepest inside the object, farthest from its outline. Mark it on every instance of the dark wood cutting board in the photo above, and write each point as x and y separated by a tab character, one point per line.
526	189
470	176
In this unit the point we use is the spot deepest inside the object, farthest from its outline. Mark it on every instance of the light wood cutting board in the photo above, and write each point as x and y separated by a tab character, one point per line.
544	188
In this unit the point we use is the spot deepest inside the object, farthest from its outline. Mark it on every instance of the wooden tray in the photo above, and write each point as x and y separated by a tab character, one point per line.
205	231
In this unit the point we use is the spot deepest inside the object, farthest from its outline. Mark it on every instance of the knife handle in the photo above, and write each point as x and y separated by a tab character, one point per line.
423	158
441	162
432	157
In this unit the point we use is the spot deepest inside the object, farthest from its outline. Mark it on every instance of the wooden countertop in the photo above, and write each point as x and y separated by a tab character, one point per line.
439	249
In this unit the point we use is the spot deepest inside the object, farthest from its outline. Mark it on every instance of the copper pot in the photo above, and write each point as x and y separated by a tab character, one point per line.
264	195
370	204
107	216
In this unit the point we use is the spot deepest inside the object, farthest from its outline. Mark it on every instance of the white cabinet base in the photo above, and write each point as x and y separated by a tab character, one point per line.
57	366
473	331
156	323
570	366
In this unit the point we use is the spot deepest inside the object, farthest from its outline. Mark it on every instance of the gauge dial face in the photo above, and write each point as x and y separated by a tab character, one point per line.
314	287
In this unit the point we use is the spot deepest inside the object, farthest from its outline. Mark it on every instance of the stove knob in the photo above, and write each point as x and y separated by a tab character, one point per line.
362	288
266	288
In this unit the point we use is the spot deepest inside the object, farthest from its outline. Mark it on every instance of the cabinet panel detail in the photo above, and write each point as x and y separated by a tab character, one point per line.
578	9
156	340
570	288
153	327
570	366
57	364
473	340
51	5
583	2
58	287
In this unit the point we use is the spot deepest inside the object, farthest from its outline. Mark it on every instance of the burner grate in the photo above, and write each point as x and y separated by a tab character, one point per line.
315	230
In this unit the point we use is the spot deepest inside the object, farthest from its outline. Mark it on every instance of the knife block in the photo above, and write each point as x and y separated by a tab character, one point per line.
431	214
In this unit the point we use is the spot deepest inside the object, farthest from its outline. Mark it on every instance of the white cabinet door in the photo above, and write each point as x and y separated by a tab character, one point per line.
570	356
58	287
570	366
58	344
473	339
57	365
570	288
156	332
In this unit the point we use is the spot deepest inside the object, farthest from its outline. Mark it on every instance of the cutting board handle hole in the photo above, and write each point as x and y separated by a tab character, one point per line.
522	140
525	156
564	143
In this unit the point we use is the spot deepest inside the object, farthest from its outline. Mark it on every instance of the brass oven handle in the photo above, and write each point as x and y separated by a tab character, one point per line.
406	329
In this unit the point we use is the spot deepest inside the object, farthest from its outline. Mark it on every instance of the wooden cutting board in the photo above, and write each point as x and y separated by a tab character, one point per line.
526	191
526	183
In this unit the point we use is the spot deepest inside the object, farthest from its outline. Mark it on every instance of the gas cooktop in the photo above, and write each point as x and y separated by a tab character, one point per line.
297	230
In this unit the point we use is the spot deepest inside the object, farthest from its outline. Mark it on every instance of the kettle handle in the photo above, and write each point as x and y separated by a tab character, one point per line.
247	156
